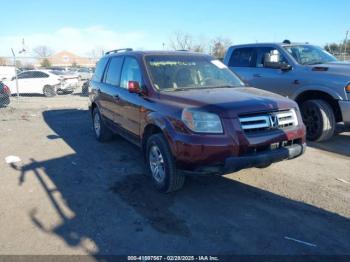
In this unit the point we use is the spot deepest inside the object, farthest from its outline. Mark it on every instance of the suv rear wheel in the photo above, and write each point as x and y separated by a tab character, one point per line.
102	132
319	120
161	165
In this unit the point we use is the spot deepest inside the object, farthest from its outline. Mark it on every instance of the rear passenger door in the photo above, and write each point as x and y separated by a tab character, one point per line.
110	90
243	63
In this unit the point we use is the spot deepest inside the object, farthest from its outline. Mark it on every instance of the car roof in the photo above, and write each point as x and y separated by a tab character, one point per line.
155	52
267	44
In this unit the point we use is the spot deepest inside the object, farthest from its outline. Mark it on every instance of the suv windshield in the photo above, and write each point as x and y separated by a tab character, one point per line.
309	55
181	72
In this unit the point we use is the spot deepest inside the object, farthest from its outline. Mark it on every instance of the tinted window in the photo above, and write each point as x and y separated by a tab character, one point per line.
131	72
100	69
38	74
25	75
113	72
243	57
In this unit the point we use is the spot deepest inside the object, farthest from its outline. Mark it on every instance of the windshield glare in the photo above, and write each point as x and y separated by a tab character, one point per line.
171	73
309	55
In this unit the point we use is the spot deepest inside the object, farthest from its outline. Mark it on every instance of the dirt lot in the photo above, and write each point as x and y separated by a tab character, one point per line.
72	195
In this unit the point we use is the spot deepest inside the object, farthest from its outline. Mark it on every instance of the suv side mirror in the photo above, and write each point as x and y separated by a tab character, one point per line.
134	87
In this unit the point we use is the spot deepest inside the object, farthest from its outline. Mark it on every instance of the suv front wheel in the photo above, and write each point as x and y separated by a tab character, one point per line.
319	120
161	165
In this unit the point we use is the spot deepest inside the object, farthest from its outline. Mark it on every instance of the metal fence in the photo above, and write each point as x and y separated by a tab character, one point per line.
29	80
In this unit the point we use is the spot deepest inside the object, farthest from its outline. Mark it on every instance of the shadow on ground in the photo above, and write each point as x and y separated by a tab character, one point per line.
339	143
116	207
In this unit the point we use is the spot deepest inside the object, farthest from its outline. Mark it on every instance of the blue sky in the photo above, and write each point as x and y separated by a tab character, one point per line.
82	26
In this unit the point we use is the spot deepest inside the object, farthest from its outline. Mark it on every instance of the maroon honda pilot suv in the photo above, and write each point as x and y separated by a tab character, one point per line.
190	115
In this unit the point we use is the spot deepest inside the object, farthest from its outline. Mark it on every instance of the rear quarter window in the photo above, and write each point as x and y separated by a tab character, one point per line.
243	57
100	67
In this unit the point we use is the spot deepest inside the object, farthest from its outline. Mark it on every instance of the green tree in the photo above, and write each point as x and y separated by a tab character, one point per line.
45	63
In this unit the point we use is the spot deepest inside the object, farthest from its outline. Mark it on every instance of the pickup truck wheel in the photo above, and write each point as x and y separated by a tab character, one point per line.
102	132
319	120
161	165
49	91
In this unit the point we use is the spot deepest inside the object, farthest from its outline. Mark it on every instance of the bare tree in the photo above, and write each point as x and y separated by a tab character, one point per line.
184	41
219	47
43	51
181	41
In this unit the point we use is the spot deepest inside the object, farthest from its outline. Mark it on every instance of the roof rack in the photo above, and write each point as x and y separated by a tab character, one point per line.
119	50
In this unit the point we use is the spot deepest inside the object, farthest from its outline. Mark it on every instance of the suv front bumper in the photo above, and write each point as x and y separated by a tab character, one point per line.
345	111
234	164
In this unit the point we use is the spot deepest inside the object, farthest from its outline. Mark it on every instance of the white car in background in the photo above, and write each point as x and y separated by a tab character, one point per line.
7	72
70	80
84	73
45	82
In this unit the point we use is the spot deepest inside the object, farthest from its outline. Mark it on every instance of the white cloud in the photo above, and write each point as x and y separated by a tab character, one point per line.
78	40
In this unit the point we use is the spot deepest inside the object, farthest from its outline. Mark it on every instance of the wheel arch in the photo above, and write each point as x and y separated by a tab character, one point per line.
155	124
322	95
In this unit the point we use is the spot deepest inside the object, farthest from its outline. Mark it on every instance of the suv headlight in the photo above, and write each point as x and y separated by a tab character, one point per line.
202	122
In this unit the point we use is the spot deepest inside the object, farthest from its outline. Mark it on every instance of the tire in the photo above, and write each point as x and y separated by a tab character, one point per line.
49	91
319	120
169	179
102	132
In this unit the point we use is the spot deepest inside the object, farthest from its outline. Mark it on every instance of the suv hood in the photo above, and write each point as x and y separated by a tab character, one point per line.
229	102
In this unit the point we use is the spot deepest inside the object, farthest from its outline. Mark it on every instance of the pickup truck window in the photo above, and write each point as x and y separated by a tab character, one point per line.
172	73
264	51
243	57
309	54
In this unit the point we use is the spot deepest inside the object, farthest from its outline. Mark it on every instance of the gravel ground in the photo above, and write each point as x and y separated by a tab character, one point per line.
72	195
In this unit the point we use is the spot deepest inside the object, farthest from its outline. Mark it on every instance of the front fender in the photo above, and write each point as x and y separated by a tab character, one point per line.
320	88
164	124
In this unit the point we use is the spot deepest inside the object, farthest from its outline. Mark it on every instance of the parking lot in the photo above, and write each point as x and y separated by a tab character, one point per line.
70	194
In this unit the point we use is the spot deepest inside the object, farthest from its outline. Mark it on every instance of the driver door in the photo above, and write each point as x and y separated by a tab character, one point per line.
271	78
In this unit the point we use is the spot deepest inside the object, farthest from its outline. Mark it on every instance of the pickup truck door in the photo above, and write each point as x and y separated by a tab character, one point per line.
273	79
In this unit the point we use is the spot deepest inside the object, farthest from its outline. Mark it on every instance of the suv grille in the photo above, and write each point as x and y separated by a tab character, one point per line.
268	121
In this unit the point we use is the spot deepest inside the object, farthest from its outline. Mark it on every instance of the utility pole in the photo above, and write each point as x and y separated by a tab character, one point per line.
15	65
346	44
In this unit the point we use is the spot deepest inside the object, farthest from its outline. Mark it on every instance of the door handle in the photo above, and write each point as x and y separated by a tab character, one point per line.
257	75
116	97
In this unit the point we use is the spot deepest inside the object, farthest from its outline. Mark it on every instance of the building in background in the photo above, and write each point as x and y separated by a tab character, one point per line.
68	59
